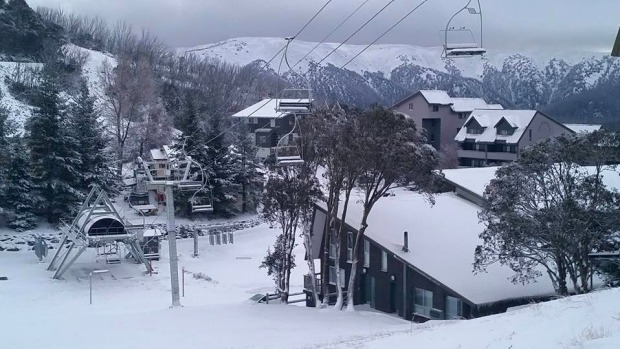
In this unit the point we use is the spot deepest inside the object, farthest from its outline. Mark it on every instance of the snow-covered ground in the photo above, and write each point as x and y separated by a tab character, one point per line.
131	309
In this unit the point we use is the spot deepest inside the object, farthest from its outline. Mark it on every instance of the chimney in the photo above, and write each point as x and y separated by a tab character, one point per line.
406	242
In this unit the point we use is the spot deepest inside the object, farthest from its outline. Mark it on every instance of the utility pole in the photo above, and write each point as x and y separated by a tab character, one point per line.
172	245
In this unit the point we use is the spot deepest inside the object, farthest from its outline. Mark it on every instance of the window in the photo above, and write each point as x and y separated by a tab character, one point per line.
366	253
332	276
462	115
273	123
410	106
350	243
162	166
454	308
474	131
383	261
530	133
332	248
435	108
505	132
423	302
254	121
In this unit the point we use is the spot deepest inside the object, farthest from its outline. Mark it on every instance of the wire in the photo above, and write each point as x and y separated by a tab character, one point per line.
265	66
331	33
384	33
357	31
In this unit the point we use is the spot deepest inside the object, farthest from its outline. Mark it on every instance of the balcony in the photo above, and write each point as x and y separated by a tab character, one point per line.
308	282
490	156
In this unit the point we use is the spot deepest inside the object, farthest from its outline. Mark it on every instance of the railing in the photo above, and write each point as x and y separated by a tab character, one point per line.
428	312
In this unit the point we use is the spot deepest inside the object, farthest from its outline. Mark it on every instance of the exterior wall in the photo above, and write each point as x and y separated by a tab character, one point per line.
394	290
450	122
267	140
541	128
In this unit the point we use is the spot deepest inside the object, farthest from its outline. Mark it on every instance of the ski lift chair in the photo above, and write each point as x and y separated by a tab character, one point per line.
288	155
201	203
298	101
463	49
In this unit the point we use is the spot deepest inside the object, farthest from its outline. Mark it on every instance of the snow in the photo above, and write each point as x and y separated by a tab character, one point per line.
460	105
442	240
588	321
267	108
476	180
378	58
158	154
19	111
437	97
488	119
583	128
130	308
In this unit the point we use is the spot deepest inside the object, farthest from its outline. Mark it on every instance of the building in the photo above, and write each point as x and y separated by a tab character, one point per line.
494	137
418	264
584	128
439	115
268	123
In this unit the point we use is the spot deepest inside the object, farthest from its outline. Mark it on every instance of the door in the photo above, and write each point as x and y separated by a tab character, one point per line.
372	291
392	297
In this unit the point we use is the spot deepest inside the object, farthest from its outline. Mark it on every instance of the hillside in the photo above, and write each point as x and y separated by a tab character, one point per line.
573	86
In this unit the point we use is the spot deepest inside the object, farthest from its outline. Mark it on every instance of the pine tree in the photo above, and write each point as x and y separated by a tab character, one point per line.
96	163
19	188
250	176
53	154
223	176
6	129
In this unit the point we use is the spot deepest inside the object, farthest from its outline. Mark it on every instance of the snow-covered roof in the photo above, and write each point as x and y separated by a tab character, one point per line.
442	241
476	180
436	97
462	105
488	119
583	128
158	154
266	109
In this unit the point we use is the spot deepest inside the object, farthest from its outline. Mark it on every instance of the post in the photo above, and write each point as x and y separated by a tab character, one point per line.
90	281
183	281
172	246
195	243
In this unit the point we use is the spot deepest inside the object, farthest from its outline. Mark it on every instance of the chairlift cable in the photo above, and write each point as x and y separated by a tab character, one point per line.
332	32
219	109
384	33
390	2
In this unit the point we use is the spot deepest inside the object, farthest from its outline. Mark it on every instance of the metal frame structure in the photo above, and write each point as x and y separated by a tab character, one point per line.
82	234
461	50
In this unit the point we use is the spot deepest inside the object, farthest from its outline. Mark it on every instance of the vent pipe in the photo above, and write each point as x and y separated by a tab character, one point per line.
406	242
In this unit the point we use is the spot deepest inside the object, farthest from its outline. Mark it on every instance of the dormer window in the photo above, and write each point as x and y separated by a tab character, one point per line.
435	108
505	132
475	130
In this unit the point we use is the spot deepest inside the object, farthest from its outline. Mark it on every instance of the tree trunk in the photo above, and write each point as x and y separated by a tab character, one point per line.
562	287
311	266
353	276
340	299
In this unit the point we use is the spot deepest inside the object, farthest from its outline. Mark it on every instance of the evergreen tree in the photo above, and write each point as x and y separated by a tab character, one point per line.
19	188
250	175
222	157
54	157
96	163
6	129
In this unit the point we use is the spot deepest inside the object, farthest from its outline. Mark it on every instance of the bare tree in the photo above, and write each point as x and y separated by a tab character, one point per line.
129	93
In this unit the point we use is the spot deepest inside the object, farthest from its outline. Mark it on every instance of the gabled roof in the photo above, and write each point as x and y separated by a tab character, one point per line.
583	128
440	97
519	119
458	104
475	180
467	105
264	109
442	241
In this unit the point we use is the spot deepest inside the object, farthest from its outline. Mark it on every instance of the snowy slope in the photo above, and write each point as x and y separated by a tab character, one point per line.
20	111
378	58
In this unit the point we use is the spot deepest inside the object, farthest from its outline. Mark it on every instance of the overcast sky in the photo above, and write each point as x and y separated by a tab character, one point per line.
508	24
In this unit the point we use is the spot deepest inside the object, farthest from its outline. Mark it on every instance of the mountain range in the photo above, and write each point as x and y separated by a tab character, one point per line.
571	86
